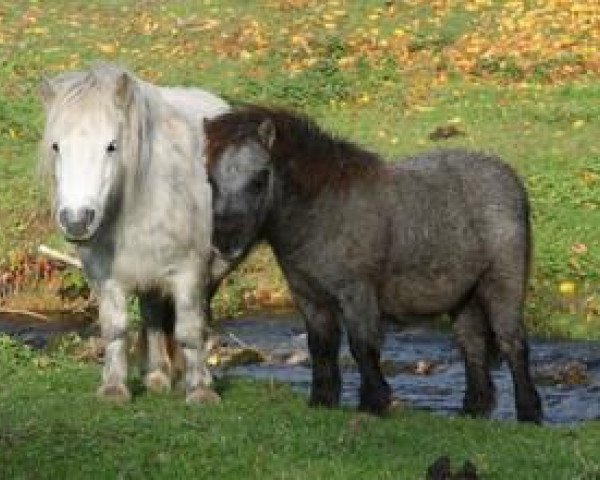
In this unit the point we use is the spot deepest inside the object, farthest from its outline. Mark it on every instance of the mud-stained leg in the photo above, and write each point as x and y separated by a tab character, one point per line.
113	324
474	338
361	315
158	315
191	334
324	338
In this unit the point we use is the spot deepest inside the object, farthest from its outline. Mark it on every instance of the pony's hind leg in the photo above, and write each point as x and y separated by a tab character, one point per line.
504	305
158	315
361	315
324	337
474	339
113	324
191	335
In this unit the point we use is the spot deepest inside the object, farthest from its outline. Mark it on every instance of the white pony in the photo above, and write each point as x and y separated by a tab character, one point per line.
130	190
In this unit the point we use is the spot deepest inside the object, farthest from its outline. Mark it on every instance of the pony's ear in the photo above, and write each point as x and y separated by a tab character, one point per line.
267	132
124	90
46	91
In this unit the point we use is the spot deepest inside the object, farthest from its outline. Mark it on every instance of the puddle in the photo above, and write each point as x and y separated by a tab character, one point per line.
441	390
38	333
423	366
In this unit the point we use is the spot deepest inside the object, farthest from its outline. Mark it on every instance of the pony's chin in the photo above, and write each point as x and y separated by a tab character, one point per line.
87	237
230	244
81	239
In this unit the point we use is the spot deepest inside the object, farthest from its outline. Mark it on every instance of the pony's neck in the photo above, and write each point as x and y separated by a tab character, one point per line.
288	208
311	160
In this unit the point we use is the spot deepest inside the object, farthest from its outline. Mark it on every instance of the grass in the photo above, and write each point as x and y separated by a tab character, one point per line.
54	427
383	76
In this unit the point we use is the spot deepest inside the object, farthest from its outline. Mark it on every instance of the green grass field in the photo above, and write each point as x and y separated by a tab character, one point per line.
52	426
520	79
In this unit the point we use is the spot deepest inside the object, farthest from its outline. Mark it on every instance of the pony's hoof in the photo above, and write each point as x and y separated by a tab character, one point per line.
375	400
158	382
202	395
397	405
116	392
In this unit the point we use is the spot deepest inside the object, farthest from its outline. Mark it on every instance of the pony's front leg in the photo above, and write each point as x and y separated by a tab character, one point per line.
191	334
113	324
324	338
360	308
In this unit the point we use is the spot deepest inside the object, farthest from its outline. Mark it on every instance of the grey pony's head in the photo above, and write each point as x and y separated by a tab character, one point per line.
241	175
86	148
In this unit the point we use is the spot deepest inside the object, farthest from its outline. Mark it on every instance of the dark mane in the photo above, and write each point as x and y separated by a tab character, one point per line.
302	152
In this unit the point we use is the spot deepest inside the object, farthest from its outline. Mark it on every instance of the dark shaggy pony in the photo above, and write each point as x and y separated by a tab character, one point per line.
358	239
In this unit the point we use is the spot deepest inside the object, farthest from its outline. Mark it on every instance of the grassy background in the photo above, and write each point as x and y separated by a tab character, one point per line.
519	81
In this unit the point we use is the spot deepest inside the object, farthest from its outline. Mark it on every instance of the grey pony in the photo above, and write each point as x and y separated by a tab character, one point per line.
359	240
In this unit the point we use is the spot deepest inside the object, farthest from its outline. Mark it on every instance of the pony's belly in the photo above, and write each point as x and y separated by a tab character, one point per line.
411	296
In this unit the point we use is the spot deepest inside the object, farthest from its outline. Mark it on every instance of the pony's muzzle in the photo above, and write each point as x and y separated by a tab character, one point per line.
77	224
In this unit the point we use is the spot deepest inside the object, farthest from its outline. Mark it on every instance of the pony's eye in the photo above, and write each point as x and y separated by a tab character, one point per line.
111	147
55	147
258	183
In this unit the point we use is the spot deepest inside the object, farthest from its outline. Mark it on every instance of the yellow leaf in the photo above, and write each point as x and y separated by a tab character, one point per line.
364	99
567	287
579	248
39	30
107	48
589	178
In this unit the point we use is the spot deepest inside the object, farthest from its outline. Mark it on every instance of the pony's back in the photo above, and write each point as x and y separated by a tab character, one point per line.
194	103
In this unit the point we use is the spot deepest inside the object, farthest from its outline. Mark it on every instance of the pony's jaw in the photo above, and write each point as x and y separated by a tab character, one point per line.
237	223
232	239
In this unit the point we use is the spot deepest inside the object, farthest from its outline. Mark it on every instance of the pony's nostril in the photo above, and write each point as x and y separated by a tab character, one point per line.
76	223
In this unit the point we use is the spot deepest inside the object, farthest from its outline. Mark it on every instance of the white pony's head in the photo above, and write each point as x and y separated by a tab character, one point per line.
86	146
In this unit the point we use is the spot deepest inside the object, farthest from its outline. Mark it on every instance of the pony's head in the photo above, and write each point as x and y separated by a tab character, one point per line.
241	172
86	148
